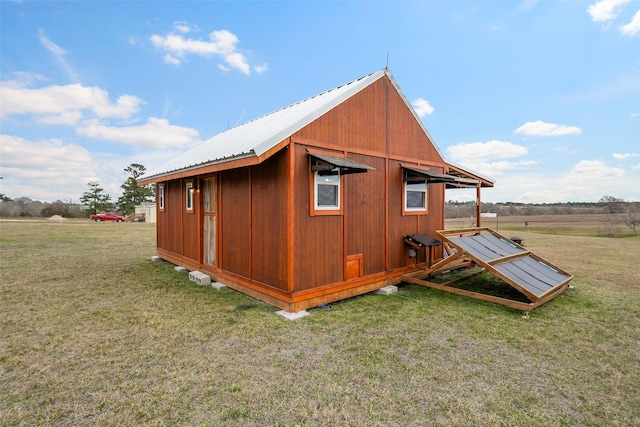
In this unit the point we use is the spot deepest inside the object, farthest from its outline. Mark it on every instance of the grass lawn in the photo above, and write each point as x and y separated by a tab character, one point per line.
92	332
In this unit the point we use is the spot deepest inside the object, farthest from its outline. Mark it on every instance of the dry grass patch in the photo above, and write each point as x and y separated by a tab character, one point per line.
94	333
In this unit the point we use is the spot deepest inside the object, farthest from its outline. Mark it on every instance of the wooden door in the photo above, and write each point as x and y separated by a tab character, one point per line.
209	220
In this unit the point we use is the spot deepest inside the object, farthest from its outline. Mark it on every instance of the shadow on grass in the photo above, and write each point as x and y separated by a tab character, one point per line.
485	283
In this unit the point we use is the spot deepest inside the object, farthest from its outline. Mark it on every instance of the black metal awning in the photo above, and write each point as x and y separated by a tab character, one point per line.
323	163
411	173
422	240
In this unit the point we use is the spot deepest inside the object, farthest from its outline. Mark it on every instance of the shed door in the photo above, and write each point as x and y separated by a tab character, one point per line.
209	221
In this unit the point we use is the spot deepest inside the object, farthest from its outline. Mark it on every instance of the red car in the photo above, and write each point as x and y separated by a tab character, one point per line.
107	217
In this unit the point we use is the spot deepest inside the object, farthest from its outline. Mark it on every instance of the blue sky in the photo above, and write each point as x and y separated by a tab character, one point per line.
541	96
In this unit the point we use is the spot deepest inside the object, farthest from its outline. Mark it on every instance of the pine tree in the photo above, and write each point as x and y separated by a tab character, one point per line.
95	199
132	194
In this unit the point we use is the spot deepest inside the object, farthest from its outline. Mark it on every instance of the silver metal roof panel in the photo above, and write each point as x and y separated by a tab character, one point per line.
257	136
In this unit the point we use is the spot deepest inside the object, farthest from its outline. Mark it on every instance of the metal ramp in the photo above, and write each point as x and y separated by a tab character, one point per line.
538	280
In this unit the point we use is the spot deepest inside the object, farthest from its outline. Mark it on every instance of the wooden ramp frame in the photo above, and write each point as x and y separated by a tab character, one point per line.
539	280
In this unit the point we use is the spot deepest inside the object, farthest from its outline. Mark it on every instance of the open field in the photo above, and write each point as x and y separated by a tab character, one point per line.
93	332
596	225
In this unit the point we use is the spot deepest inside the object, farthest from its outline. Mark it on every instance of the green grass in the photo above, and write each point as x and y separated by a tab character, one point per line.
588	225
93	332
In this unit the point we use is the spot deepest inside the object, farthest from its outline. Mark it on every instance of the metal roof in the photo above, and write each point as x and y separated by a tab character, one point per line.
257	136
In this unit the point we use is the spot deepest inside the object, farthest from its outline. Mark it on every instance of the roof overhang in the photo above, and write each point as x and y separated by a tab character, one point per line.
246	159
467	179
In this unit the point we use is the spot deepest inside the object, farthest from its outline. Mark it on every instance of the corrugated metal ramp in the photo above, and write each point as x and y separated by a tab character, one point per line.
537	279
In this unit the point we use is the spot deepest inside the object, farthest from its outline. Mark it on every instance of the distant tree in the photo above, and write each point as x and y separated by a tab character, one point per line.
96	199
631	217
9	208
4	198
28	207
57	208
132	194
612	204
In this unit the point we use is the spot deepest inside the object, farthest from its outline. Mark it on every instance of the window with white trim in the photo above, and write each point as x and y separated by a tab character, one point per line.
415	196
327	189
161	196
189	195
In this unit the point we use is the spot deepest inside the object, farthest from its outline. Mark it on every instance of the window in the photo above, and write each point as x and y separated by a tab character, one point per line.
324	189
189	195
161	196
415	196
327	190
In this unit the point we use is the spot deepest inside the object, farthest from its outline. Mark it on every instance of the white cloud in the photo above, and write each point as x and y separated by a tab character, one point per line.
485	151
134	41
262	68
422	107
156	133
633	27
590	171
622	156
50	169
67	118
170	59
59	55
605	10
49	45
586	181
184	27
59	103
221	43
540	128
489	158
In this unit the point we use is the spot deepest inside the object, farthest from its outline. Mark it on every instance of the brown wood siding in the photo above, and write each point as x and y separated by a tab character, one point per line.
399	225
356	124
174	206
235	222
318	244
267	232
406	137
364	214
269	221
191	225
162	222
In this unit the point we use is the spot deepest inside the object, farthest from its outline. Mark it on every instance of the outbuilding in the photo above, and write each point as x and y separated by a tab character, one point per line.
146	212
312	203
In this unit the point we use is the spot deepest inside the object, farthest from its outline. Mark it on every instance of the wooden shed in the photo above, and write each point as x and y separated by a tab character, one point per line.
309	204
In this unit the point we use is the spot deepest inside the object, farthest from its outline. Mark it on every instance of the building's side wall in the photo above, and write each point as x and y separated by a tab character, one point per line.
318	249
235	222
269	221
270	241
177	230
253	222
359	124
365	202
372	224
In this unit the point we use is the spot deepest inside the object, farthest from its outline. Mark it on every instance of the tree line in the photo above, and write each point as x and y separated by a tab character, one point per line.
606	205
627	213
94	200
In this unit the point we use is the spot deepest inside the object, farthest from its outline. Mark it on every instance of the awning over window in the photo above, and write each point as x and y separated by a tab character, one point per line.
466	178
323	163
414	173
411	173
